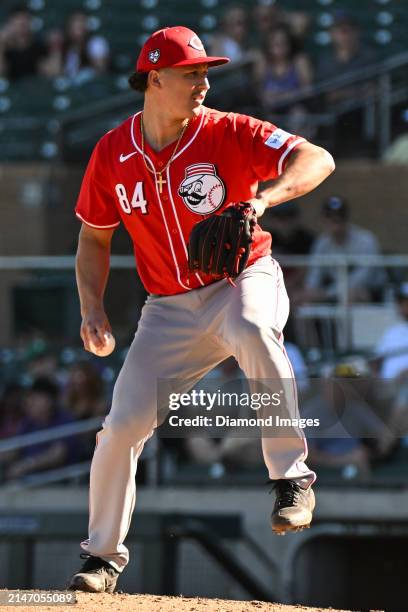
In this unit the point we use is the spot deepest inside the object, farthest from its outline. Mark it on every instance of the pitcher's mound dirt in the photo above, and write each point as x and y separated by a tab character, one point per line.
121	602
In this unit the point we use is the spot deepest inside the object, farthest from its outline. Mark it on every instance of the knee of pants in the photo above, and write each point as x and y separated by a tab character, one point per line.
130	429
260	353
245	336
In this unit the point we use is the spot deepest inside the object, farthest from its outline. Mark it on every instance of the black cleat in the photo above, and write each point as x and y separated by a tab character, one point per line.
95	576
293	507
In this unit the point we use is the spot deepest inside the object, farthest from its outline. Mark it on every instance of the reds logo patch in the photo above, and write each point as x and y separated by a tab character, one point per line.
196	43
203	192
154	56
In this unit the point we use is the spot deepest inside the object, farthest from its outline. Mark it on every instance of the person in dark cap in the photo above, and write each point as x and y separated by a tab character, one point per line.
21	52
347	52
346	55
340	237
41	411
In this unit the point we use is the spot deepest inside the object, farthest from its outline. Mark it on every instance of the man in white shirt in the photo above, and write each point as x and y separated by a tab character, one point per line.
392	353
342	238
392	349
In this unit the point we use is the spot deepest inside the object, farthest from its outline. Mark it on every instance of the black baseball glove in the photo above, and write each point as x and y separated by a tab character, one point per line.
220	245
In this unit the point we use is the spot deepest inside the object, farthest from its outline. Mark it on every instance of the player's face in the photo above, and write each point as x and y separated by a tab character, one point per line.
184	89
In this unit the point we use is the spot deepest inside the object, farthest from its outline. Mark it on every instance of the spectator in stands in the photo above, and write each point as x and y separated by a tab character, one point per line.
347	53
11	410
84	396
340	237
41	361
269	15
265	18
84	54
298	22
41	411
51	65
350	433
392	353
11	416
231	41
21	52
283	68
392	348
397	153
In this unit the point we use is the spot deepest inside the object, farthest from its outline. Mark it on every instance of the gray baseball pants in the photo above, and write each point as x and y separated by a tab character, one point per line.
183	337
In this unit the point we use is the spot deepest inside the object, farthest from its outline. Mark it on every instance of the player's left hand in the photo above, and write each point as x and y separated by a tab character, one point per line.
259	205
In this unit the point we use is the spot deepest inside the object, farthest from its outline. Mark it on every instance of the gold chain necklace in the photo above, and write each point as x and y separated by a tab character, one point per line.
158	175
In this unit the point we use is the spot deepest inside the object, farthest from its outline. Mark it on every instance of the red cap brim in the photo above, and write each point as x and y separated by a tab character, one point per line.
210	60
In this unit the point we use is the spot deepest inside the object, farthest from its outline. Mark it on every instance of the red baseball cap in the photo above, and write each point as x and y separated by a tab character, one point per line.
177	46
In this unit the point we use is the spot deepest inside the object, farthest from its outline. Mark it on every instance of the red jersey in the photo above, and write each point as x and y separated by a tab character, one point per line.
220	160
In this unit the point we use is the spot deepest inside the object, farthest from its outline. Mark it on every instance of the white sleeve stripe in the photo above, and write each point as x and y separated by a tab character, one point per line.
97	226
286	153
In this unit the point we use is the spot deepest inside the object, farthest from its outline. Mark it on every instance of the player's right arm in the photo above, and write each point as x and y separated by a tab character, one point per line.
92	271
96	208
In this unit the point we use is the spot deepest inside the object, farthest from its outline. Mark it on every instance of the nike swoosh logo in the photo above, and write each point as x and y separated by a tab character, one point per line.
123	158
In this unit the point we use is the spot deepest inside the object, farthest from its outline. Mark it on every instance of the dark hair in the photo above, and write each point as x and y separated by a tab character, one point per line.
44	385
228	10
83	50
18	8
342	17
294	46
335	207
138	81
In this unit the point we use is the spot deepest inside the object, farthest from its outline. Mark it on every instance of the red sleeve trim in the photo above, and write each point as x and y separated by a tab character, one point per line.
284	155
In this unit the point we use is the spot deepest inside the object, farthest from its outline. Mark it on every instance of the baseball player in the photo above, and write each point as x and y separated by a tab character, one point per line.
175	166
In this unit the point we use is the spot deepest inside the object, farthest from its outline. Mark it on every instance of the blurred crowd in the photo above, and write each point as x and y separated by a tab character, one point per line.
280	66
72	51
277	40
44	394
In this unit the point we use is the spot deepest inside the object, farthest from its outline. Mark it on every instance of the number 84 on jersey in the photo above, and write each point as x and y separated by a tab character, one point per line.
137	201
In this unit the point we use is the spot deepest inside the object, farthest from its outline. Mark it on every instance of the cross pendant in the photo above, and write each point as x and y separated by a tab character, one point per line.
161	181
